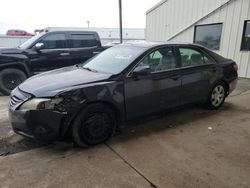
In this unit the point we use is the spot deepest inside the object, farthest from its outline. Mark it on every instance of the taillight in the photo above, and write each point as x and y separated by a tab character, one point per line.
235	67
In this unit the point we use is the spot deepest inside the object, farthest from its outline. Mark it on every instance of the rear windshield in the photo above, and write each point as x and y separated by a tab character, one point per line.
216	56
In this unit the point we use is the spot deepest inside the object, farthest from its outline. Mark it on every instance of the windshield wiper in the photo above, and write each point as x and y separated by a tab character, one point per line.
89	69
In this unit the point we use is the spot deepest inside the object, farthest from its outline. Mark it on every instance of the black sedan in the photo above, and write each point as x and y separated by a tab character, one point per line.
90	101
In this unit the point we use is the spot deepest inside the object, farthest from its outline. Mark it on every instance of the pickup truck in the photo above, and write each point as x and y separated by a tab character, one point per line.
51	49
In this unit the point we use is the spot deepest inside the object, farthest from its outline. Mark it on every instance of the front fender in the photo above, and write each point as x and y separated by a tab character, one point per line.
111	94
12	57
19	65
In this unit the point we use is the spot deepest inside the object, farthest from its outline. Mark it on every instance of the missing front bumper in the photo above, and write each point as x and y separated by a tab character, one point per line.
44	125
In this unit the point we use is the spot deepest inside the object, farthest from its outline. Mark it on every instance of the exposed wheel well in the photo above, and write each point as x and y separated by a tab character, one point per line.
117	115
110	105
16	66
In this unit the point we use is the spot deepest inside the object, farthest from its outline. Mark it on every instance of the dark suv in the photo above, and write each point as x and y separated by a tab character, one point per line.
92	100
48	50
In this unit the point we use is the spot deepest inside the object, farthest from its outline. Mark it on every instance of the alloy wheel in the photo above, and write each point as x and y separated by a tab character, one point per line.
218	95
11	81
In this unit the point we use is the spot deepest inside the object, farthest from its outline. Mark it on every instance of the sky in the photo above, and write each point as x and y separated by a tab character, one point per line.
33	14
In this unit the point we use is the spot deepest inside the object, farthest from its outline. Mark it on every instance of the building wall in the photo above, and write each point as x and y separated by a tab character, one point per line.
172	16
232	13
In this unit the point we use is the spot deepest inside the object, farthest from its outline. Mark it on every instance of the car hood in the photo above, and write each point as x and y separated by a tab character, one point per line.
53	82
5	51
11	54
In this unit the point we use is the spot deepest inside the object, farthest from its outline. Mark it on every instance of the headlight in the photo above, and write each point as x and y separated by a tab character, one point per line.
40	103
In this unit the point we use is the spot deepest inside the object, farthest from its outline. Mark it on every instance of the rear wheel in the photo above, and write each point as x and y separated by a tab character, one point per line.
217	96
10	78
94	125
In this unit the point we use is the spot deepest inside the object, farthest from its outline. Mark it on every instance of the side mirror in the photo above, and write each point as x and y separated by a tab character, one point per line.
141	71
38	46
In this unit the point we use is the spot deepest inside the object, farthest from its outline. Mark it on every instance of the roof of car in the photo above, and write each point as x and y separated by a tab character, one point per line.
155	44
68	29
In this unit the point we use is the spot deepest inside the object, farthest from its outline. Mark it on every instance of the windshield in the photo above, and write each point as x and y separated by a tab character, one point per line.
114	60
27	43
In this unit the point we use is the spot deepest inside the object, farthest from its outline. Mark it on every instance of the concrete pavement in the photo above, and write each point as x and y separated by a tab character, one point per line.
60	166
201	149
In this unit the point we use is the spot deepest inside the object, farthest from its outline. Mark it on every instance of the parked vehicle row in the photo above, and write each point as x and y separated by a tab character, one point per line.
46	51
91	101
18	32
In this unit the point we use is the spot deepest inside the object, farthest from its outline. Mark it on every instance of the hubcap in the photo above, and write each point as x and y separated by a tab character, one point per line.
96	128
217	95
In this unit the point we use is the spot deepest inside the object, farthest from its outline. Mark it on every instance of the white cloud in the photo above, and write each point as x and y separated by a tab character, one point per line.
31	14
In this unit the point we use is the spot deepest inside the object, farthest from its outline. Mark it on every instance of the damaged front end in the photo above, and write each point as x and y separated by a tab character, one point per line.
45	119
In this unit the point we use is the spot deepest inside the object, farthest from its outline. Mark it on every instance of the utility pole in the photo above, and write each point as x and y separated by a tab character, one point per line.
120	20
88	23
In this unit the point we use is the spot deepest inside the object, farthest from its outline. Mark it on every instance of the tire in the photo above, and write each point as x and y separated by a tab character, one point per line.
10	78
94	125
217	96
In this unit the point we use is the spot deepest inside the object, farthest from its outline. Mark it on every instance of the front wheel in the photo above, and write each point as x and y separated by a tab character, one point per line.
10	78
217	96
94	125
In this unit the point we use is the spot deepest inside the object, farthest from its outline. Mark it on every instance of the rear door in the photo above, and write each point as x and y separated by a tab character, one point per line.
83	46
54	54
156	91
199	72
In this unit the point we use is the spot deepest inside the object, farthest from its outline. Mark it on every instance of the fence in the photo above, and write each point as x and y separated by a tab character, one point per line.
12	41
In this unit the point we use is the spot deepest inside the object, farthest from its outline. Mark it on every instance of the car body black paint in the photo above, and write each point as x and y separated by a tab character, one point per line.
129	97
32	61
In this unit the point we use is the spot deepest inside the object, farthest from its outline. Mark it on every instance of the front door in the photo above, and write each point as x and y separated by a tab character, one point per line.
156	91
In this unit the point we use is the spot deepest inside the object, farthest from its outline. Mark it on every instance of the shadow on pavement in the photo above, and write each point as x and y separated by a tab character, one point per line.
143	127
170	120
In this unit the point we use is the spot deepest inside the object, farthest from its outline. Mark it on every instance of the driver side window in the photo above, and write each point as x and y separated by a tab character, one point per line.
160	60
54	41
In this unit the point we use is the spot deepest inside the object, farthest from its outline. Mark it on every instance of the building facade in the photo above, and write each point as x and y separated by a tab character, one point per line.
221	25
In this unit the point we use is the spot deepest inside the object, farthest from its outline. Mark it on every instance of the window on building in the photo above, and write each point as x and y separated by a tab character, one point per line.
245	44
208	35
83	40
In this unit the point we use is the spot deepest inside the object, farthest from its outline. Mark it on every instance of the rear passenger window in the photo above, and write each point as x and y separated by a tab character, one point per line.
54	41
192	57
83	40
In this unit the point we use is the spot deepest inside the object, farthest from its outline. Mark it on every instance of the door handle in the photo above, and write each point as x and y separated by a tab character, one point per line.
64	54
175	77
96	52
214	69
